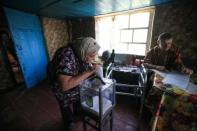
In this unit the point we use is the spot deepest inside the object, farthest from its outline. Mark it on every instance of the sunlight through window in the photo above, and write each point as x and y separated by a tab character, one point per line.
140	35
127	33
139	20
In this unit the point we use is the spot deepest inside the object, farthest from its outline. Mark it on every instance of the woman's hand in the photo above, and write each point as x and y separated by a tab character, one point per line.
69	82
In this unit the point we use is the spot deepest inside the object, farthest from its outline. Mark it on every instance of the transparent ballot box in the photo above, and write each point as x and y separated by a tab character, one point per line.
97	95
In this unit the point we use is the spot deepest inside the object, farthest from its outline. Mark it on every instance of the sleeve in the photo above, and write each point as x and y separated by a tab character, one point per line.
178	61
148	57
174	61
67	64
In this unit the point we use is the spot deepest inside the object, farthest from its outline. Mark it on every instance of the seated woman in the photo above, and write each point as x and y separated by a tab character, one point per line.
165	56
69	67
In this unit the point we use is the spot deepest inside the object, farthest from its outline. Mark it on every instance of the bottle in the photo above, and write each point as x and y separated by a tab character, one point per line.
112	56
133	60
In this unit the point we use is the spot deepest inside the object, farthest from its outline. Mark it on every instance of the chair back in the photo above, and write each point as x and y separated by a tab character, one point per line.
142	86
108	70
143	77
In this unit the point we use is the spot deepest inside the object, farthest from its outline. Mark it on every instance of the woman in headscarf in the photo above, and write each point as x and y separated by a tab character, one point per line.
69	67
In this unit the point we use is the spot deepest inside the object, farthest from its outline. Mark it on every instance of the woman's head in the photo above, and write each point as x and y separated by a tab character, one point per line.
86	48
165	41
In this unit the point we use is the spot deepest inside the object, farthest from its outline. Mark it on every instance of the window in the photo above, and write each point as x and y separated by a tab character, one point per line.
127	33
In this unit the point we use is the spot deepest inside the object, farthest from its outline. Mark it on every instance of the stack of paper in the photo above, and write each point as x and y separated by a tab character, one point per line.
192	88
177	79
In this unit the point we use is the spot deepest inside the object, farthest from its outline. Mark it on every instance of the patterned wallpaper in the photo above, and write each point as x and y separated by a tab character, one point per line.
59	32
83	27
180	19
56	34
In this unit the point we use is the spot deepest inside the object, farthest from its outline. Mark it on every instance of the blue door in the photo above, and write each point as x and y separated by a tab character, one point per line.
29	44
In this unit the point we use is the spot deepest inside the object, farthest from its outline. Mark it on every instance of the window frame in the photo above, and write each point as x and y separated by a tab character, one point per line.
151	11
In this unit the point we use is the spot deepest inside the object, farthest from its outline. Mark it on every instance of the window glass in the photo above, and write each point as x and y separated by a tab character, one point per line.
140	35
139	20
126	35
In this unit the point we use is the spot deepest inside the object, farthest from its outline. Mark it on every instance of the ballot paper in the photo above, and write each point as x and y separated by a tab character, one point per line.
95	108
192	88
99	72
177	79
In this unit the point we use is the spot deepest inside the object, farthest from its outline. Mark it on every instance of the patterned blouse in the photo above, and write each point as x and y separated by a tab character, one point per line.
67	63
170	59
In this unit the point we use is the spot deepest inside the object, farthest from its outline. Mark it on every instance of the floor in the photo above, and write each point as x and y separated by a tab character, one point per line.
37	110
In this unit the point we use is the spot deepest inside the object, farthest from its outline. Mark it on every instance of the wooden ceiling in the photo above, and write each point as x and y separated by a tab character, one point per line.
78	8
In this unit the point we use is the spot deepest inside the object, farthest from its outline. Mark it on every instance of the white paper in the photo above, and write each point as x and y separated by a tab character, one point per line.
99	72
177	79
95	109
192	88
